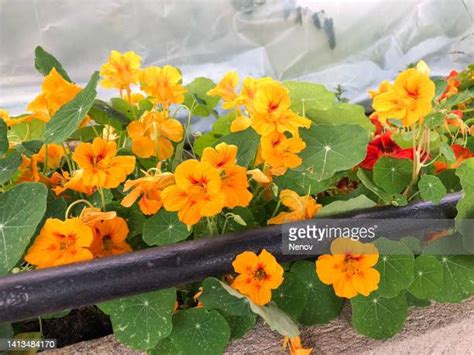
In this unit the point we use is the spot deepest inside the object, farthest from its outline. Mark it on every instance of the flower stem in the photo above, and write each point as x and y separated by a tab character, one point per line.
88	203
102	198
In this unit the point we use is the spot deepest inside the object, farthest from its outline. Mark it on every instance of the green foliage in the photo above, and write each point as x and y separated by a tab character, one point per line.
18	221
164	228
458	278
308	96
67	119
199	331
291	296
102	113
9	165
276	319
196	98
247	144
204	141
45	62
302	182
6	331
431	188
428	277
392	174
3	137
379	317
342	113
222	125
465	207
337	207
395	265
330	149
141	321
322	304
235	310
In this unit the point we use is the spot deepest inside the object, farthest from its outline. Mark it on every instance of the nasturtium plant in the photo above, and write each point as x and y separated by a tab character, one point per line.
83	178
18	221
141	321
379	317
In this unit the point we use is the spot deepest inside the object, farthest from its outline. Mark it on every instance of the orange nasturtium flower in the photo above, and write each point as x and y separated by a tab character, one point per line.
301	208
196	193
61	242
270	110
55	92
295	347
121	71
155	131
350	268
409	99
279	152
234	177
92	215
226	90
148	189
163	85
258	276
110	238
461	153
72	182
100	165
55	154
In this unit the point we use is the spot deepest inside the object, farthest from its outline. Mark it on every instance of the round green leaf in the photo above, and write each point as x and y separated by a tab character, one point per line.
393	175
196	97
331	148
141	321
395	265
307	96
6	331
199	331
416	302
431	188
357	203
321	304
379	317
291	295
239	326
45	62
164	228
302	182
165	347
206	140
458	278
342	113
18	221
428	277
9	165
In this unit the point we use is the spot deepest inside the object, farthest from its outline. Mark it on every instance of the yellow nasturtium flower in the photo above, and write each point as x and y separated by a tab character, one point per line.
147	190
55	92
280	152
100	165
350	268
226	90
258	275
163	85
61	242
121	71
234	177
409	99
197	192
155	131
301	208
110	238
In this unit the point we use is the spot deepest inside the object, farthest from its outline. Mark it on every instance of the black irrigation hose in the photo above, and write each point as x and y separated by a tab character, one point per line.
30	294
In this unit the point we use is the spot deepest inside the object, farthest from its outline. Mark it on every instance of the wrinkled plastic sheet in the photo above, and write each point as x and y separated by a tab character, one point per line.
355	44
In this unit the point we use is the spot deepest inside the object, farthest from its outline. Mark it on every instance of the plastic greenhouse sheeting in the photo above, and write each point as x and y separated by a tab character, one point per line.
352	43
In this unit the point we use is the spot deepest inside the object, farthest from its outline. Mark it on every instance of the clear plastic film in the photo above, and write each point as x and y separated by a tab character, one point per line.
355	44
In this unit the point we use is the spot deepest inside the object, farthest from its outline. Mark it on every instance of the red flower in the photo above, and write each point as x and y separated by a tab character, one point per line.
460	153
383	145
